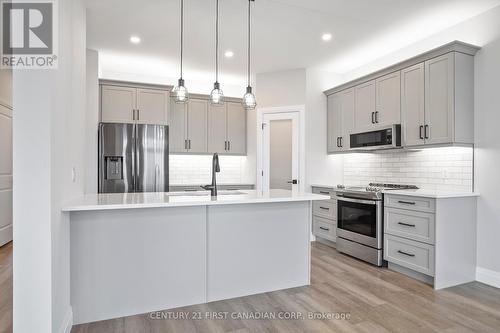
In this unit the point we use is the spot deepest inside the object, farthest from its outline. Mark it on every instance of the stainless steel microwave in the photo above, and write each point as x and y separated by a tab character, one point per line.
385	138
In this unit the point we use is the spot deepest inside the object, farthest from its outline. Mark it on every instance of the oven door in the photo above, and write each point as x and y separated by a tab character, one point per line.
360	221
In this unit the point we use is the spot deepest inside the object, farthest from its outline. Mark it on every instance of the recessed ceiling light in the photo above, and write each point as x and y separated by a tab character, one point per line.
229	54
135	39
326	37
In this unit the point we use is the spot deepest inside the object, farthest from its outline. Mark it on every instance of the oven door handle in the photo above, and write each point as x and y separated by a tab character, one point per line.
366	202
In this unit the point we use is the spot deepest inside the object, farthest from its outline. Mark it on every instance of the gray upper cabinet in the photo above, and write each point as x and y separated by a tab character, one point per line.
227	129
438	101
340	120
413	104
133	104
188	127
431	96
118	104
197	126
388	110
236	129
366	105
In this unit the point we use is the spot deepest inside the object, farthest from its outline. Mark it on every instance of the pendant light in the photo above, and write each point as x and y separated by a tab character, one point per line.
217	96
249	101
180	93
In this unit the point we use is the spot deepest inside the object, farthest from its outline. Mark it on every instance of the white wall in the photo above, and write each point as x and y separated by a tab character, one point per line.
484	31
48	143
92	121
281	88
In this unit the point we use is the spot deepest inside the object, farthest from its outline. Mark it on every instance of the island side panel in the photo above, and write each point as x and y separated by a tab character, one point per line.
257	248
127	262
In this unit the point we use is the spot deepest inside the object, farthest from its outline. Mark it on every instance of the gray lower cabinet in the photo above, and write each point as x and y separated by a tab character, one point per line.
324	215
227	129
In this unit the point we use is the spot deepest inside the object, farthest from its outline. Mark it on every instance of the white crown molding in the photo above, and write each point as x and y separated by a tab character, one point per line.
488	277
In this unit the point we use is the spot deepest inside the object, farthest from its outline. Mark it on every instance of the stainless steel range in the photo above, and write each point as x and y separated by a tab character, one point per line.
360	220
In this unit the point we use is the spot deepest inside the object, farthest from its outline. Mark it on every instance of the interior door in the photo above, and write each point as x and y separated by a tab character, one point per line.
365	108
388	100
197	126
152	106
236	128
439	78
217	137
281	151
413	104
118	104
5	175
177	128
151	158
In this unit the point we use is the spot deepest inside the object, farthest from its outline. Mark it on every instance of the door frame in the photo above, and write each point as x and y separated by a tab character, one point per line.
300	109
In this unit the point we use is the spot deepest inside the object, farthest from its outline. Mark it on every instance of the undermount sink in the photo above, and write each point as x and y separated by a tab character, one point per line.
203	193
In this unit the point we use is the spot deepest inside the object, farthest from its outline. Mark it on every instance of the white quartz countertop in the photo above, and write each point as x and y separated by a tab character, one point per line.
436	194
92	202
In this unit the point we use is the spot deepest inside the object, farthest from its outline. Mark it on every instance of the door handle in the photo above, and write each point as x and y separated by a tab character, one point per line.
420	132
426	131
293	181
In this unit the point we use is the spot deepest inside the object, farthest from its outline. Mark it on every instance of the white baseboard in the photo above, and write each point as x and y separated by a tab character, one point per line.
487	276
5	235
67	323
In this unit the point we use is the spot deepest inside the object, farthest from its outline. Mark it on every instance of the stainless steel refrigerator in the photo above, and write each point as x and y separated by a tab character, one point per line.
133	158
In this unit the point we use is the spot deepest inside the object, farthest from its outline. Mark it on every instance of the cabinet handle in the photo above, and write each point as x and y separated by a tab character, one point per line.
373	117
229	145
376	117
189	144
426	131
186	144
324	192
406	254
138	114
406	224
341	142
325	229
324	208
133	114
225	145
406	202
420	132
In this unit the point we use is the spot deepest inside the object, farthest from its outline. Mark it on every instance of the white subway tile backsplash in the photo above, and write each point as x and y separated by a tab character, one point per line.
197	169
447	168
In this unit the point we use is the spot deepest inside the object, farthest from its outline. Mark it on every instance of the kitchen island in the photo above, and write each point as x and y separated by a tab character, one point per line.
140	252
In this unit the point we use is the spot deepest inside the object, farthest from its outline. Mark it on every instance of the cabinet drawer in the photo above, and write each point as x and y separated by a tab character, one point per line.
324	191
409	224
410	254
324	228
326	209
412	203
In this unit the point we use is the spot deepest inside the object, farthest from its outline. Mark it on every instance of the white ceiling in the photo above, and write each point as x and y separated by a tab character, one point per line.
287	33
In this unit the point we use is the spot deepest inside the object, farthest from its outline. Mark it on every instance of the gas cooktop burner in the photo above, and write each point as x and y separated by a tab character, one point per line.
372	191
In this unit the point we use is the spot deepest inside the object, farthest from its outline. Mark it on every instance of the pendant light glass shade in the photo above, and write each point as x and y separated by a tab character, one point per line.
249	101
217	95
180	93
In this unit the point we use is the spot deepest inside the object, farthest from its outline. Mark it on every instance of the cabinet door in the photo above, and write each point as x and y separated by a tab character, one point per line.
413	104
388	100
365	106
197	125
236	129
118	104
152	106
334	103
346	116
439	77
217	129
177	127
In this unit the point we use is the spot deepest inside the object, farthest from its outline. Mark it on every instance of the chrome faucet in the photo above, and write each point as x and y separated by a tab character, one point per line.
215	169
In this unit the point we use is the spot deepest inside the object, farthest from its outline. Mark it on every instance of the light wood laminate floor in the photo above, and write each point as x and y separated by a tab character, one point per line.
6	288
376	299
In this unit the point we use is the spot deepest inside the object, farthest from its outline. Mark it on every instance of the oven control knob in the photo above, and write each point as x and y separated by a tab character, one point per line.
341	186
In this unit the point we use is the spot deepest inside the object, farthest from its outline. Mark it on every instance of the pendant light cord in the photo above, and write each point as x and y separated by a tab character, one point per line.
217	41
249	38
182	33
